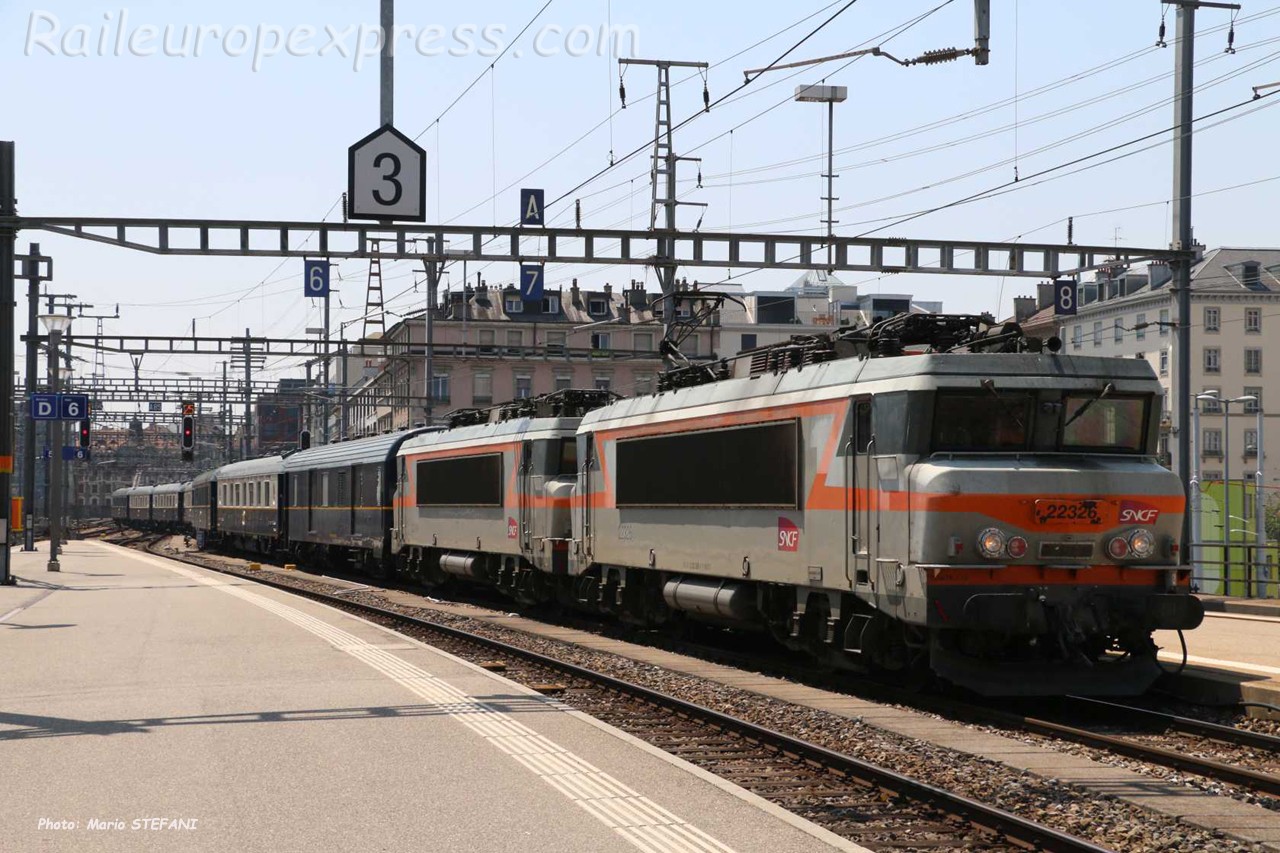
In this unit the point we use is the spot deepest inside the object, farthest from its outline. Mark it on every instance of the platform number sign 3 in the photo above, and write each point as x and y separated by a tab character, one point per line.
1065	292
387	177
531	282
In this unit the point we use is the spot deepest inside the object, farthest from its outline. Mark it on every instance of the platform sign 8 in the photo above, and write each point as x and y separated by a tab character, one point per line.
1065	292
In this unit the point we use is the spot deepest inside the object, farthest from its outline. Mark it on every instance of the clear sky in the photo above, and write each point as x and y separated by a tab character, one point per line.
228	135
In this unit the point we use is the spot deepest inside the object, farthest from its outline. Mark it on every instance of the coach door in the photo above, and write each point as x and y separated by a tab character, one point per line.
860	521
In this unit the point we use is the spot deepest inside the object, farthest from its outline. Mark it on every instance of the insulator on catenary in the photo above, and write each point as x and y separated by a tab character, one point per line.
622	93
946	54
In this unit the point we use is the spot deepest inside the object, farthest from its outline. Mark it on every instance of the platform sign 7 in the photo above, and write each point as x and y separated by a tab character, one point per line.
73	407
531	282
1065	292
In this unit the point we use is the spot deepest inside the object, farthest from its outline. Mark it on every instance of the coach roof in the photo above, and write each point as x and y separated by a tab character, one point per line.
361	451
267	466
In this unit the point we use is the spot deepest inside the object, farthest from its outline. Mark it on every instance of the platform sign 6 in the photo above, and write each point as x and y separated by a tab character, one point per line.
1065	292
532	204
73	407
531	276
387	177
315	278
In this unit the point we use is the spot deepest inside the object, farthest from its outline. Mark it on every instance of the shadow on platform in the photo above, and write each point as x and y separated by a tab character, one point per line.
32	726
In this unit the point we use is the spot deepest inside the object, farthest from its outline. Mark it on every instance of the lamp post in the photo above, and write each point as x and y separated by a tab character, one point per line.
829	95
1260	574
1226	476
55	325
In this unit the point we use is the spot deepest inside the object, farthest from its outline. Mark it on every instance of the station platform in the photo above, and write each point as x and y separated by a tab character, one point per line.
149	705
1234	656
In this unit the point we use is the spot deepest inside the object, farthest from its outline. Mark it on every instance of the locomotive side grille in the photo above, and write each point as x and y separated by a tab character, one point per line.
1066	550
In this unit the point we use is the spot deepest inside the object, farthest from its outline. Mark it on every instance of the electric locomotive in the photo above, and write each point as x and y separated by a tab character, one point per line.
996	516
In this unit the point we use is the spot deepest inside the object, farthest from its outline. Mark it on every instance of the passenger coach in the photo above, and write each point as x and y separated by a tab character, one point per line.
340	500
250	512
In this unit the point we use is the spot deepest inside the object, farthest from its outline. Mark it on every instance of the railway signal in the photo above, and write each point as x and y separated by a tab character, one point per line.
188	431
84	433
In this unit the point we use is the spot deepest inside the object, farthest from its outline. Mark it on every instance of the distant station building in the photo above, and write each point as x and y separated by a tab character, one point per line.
491	346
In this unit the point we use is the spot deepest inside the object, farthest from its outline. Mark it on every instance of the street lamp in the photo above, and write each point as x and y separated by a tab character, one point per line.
55	325
829	95
1226	471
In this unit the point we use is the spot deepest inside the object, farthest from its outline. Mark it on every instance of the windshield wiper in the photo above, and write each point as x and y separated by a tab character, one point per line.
990	385
1106	389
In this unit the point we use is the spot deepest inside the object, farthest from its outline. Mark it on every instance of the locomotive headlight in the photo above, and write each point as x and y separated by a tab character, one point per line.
1017	547
991	542
1118	548
1142	544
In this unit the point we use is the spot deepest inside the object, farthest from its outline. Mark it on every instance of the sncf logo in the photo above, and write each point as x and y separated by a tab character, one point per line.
788	535
513	529
1132	512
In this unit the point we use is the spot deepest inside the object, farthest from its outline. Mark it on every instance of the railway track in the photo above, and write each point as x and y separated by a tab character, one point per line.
871	805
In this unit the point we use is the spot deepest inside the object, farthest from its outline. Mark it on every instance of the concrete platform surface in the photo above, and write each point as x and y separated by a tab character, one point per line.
1232	656
149	705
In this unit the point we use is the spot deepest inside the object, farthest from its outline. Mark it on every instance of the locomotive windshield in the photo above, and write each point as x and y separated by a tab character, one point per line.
1116	424
1016	421
969	422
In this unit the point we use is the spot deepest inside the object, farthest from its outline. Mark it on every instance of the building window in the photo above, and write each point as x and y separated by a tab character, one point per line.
683	309
1212	442
690	347
564	381
644	341
1164	362
597	307
1212	360
600	340
513	304
1211	477
1097	334
603	382
643	384
1164	322
1253	360
1255	405
1077	337
515	338
1252	276
486	340
1140	331
1212	319
524	387
1253	320
1211	406
749	342
440	387
1250	443
551	305
482	388
555	343
1118	331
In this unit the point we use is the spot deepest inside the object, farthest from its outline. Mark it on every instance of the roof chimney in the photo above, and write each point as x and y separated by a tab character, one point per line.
575	295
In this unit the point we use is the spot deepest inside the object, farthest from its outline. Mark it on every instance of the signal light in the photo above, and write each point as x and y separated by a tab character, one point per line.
84	433
188	437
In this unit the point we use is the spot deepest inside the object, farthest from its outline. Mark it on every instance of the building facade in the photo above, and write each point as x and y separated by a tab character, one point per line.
490	346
